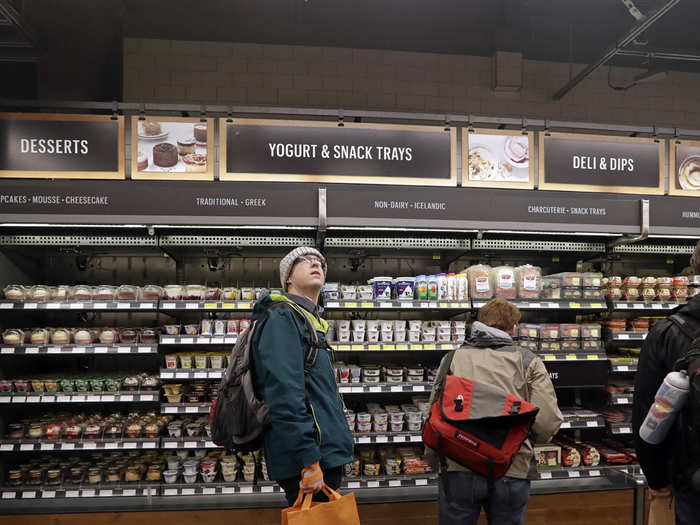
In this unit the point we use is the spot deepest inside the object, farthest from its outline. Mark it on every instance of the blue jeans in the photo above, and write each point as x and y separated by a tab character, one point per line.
463	494
687	506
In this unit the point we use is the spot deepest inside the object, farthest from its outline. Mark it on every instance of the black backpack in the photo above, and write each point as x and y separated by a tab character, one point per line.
238	418
690	415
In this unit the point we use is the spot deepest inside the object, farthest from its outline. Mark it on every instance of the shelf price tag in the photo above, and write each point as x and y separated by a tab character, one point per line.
394	482
623	401
364	440
420	482
623	368
574	474
9	495
32	350
207	491
566	424
351	485
48	494
594	473
397	389
591	424
545	475
129	492
267	488
30	306
99	306
372	484
188	492
382	439
416	439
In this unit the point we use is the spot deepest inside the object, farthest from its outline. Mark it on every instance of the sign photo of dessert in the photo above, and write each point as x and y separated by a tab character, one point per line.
685	168
169	148
498	159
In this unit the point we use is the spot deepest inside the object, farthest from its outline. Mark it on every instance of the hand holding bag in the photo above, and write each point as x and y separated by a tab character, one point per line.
339	510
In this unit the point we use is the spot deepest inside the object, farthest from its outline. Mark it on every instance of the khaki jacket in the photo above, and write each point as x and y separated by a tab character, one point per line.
491	357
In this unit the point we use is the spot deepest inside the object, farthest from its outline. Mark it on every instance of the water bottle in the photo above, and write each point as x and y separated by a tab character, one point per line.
670	398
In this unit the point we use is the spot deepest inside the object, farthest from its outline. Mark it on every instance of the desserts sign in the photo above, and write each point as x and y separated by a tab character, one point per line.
601	164
170	148
296	151
44	146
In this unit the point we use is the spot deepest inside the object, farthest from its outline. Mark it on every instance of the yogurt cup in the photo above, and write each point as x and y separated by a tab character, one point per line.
374	325
396	417
413	426
387	336
373	337
444	338
364	428
414	336
444	330
404	287
344	336
380	417
344	374
364	417
170	476
386	325
343	325
359	325
400	336
399	324
173	463
365	296
415	324
380	427
185	361
217	361
355	374
429	337
397	427
349	294
429	330
382	288
200	361
358	336
190	478
171	361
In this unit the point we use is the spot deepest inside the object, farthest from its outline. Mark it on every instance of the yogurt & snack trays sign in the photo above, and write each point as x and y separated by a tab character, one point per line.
61	146
303	151
601	164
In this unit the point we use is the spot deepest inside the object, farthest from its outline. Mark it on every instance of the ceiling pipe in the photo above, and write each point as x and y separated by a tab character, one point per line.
8	11
633	33
659	55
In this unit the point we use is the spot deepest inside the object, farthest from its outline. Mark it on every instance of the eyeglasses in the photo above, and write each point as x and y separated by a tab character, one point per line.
310	260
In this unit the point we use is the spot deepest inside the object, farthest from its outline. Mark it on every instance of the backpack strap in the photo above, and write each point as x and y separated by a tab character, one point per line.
686	324
443	372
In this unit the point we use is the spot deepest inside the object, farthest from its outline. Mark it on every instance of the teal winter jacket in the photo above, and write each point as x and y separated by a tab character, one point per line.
297	437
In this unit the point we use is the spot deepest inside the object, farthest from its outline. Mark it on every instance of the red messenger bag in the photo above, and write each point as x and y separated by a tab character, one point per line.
478	425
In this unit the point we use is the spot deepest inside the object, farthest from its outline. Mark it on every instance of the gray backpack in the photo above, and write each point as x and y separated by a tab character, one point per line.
238	418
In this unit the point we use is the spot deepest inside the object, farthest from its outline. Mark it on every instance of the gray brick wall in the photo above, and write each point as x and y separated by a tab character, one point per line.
172	71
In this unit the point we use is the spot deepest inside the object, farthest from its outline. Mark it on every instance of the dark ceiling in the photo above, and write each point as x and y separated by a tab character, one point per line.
560	30
541	29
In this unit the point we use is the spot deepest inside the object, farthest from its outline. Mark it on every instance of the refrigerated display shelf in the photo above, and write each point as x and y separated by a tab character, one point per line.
389	347
577	424
79	491
180	305
372	388
198	340
627	336
573	472
620	429
43	445
78	349
185	408
80	305
623	367
387	437
192	373
419	480
621	399
399	305
194	442
546	304
573	357
78	397
652	305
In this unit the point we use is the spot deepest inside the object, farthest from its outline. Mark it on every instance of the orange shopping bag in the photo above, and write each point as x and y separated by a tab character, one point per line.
340	510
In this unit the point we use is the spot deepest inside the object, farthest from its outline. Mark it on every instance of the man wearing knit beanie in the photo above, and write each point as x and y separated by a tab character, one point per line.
308	440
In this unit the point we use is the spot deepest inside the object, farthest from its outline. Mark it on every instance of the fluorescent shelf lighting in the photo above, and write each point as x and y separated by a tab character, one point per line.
396	229
232	227
579	234
47	225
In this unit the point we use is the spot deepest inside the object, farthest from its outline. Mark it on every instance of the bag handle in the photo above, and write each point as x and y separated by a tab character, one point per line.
333	495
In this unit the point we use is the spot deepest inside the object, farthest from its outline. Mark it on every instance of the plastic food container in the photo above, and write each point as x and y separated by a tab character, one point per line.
528	281
404	287
569	278
84	337
39	293
348	292
14	292
592	293
358	336
591	331
39	336
173	291
479	282
148	335
549	331
529	331
592	280
195	292
421	287
172	329
60	292
191	329
571	292
551	288
105	292
127	292
127	336
382	288
502	280
569	331
110	335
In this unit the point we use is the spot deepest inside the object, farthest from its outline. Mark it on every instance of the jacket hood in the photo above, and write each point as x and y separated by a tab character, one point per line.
268	299
692	308
483	335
